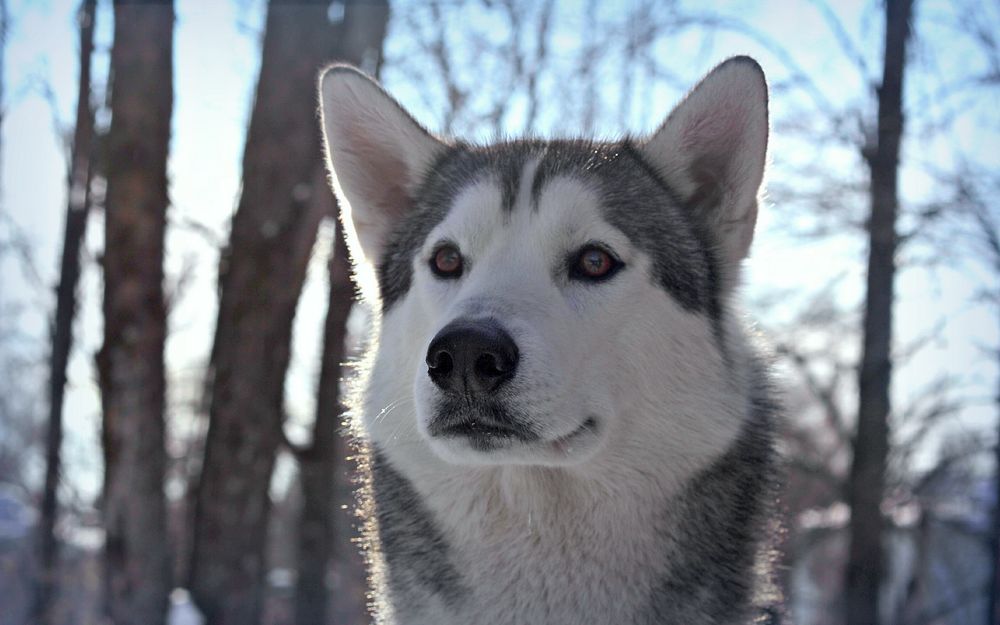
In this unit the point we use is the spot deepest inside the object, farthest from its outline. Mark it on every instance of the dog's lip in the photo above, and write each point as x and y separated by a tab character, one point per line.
564	444
476	429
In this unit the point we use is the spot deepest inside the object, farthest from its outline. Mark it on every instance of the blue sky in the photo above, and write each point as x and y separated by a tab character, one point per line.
217	54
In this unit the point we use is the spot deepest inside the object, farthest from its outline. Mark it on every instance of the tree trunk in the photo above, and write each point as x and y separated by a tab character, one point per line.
131	361
993	606
865	565
325	527
320	462
77	210
261	277
346	563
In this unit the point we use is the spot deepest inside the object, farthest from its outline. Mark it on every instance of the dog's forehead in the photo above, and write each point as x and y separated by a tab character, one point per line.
487	184
483	188
488	210
515	168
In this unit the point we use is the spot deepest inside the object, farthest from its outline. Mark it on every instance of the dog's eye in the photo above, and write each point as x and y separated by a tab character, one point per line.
447	262
593	264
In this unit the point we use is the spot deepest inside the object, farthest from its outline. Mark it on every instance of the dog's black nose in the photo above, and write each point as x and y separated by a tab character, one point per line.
471	356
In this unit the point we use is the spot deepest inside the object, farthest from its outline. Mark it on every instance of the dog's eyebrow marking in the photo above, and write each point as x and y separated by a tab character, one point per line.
525	193
540	175
563	157
507	166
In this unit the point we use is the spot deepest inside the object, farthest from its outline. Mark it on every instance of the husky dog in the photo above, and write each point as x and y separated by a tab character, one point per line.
565	422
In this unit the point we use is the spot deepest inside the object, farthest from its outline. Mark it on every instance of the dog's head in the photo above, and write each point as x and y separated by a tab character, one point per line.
542	301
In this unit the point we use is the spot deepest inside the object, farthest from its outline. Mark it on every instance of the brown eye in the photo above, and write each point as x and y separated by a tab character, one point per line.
447	262
594	264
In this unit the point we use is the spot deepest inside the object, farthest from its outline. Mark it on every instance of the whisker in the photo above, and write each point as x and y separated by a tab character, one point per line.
390	407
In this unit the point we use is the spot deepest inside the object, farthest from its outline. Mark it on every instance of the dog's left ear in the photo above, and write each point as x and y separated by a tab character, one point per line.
376	153
712	149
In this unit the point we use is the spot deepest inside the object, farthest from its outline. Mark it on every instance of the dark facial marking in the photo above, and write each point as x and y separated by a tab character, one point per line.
635	199
416	552
715	526
456	169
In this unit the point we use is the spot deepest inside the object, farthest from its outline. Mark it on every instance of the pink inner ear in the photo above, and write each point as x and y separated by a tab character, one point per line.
381	171
715	135
395	200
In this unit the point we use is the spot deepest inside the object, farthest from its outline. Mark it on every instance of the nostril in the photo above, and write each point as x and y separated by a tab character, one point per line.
489	366
440	362
471	356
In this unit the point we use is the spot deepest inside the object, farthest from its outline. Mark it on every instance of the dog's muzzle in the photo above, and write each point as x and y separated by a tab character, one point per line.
470	360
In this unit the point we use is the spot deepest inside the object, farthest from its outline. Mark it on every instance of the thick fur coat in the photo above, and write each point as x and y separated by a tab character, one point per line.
564	420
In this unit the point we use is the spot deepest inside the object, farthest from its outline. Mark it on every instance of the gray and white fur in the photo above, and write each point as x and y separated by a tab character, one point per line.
564	419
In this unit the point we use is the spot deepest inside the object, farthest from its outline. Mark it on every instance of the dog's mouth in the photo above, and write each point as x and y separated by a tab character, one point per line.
485	425
493	434
481	436
565	444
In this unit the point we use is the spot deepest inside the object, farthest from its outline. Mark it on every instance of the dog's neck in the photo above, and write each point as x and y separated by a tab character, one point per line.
493	525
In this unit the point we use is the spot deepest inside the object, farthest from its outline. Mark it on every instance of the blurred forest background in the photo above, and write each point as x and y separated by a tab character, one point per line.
175	301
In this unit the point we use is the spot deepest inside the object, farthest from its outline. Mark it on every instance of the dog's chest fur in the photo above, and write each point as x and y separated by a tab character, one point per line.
525	549
516	545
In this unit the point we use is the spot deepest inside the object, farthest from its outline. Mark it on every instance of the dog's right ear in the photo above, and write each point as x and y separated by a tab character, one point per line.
713	150
376	153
